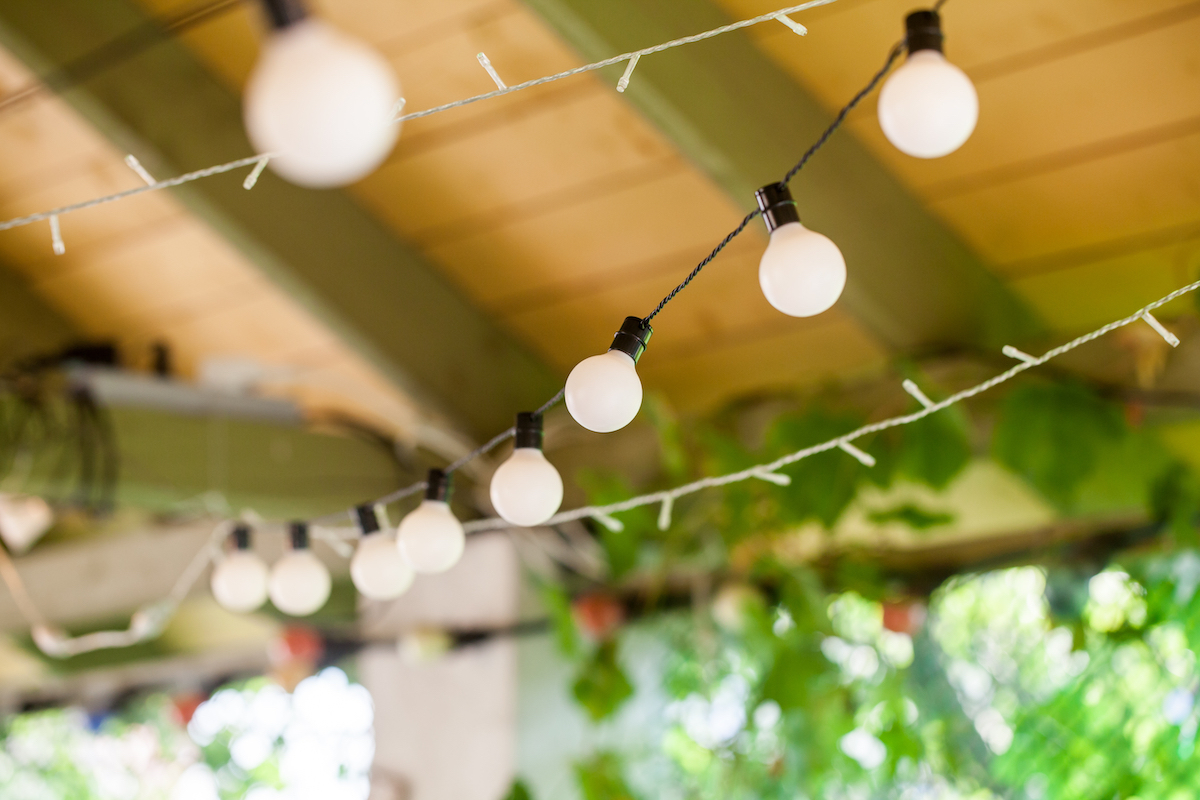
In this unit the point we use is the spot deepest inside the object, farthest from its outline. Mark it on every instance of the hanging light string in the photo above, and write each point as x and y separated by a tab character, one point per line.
259	160
151	619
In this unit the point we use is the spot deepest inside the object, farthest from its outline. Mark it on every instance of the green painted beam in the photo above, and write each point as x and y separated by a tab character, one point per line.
745	122
339	261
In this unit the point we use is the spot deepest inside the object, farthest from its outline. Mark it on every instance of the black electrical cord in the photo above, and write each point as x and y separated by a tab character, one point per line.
893	54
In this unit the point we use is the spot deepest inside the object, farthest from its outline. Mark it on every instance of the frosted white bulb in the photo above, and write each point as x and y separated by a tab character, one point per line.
378	569
239	581
802	272
526	489
299	583
431	538
323	102
928	107
604	392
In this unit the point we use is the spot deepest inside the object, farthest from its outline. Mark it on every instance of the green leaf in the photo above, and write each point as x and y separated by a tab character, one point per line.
600	778
518	791
1175	502
1051	434
824	484
621	548
912	515
790	679
601	686
558	606
659	413
935	449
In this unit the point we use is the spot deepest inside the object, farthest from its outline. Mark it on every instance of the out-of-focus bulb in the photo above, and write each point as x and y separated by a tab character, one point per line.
239	580
430	537
527	489
928	107
320	100
802	272
378	569
299	583
604	392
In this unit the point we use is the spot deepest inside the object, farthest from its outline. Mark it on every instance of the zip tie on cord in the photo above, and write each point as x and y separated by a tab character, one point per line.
664	513
623	84
398	109
796	27
335	542
135	165
770	476
613	524
916	392
56	241
486	64
1171	338
865	458
255	173
1019	355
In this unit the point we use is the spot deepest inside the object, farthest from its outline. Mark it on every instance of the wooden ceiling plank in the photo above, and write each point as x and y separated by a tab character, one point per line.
377	294
744	121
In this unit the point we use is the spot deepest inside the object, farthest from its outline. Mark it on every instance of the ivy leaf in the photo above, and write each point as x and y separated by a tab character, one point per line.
1052	434
558	606
601	686
824	484
935	448
912	515
518	791
600	779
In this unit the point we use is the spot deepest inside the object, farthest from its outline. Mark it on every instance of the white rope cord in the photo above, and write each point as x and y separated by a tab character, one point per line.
150	620
260	160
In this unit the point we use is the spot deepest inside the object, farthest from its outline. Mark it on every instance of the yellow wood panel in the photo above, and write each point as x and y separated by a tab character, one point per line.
560	146
593	236
1137	191
1088	295
835	348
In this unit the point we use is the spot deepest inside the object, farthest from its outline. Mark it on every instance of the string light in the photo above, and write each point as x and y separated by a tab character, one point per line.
319	99
604	392
928	108
430	537
299	582
526	489
239	580
379	570
802	272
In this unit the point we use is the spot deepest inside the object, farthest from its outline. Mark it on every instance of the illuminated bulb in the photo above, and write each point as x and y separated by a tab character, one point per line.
928	107
320	100
378	569
604	392
299	583
239	580
802	272
527	489
430	538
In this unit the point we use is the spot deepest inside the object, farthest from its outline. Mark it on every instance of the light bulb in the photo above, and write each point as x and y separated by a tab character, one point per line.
430	537
378	569
320	100
527	489
928	107
604	392
299	582
239	580
802	272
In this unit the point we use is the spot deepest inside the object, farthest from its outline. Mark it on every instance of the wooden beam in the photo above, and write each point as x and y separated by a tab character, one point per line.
745	122
375	292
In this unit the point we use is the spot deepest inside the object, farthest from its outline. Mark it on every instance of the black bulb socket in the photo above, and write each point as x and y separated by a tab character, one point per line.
633	337
368	519
777	206
529	430
298	533
282	13
438	486
241	537
923	31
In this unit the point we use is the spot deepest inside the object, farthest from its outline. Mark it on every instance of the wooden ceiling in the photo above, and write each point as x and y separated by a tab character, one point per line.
559	211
